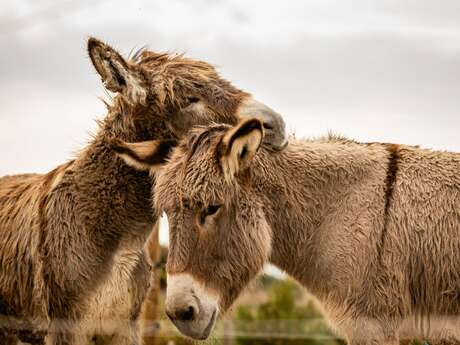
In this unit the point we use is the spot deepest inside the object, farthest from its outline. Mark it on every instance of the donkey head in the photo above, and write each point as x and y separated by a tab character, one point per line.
163	96
219	238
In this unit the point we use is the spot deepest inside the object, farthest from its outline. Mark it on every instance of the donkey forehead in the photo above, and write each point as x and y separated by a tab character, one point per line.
196	176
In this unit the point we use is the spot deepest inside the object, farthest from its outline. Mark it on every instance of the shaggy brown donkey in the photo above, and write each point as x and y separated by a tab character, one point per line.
71	240
371	230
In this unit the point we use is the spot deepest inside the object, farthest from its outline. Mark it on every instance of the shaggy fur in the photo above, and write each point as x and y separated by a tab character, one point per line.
150	308
371	230
71	241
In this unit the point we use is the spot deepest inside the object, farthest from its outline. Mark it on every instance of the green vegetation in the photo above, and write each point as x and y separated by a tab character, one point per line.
282	320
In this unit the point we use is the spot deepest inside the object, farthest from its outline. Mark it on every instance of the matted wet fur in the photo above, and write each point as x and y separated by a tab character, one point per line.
371	230
71	241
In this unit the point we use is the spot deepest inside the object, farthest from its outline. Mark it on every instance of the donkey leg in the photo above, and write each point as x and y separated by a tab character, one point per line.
62	333
122	333
371	332
7	338
58	338
130	336
115	340
32	337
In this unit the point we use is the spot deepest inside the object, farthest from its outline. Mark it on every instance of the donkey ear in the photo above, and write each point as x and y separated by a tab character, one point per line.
239	145
116	73
145	155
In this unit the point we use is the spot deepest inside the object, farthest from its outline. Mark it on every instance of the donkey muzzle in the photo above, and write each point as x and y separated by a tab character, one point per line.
275	137
188	305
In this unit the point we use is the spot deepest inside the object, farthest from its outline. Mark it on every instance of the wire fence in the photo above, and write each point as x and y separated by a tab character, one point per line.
312	330
291	329
285	329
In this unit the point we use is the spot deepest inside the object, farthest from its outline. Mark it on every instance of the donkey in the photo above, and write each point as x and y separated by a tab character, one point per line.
371	230
71	241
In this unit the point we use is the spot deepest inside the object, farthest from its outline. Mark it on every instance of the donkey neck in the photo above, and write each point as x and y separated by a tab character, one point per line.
303	190
117	197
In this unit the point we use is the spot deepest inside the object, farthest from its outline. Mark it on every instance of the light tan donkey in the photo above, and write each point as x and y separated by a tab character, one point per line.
71	241
371	230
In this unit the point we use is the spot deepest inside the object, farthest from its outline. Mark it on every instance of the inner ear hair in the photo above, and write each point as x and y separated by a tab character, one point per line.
244	152
239	145
120	80
245	127
108	63
116	73
145	155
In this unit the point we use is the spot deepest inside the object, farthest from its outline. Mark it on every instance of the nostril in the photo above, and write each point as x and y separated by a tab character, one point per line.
186	314
267	126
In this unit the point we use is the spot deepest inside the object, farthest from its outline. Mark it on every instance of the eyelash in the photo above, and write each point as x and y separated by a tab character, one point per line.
212	209
192	100
209	211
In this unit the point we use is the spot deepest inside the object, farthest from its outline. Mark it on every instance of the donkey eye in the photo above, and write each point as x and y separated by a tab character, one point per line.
212	209
192	100
186	204
208	211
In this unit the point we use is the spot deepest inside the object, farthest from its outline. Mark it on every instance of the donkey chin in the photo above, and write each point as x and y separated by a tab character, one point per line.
191	308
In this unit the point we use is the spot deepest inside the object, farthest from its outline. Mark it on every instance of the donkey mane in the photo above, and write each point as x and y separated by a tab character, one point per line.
151	59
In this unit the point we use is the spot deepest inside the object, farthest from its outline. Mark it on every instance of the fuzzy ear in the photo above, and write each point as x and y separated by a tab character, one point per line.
145	155
116	73
239	145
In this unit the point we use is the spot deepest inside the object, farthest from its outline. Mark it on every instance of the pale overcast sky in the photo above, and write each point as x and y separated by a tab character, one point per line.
373	70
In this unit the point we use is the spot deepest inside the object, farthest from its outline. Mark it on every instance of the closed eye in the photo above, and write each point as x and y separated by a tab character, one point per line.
208	211
212	209
192	100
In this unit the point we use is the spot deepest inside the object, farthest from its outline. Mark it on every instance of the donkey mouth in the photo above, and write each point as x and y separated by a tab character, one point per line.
210	325
279	147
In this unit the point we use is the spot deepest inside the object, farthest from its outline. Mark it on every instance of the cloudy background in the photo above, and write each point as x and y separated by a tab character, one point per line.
374	70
